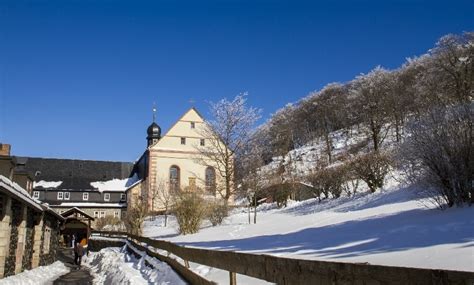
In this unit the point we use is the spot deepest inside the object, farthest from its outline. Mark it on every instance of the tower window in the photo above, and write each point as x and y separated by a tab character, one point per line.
183	140
193	125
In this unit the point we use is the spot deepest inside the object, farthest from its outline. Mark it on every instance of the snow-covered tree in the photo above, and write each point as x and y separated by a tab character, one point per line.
371	91
227	135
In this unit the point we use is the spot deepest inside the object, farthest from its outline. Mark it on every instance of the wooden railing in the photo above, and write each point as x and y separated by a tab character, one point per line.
282	270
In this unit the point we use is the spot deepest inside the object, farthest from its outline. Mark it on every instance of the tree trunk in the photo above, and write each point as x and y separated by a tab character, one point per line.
328	147
255	209
250	204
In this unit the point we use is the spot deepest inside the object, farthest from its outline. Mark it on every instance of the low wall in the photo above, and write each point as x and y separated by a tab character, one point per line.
98	244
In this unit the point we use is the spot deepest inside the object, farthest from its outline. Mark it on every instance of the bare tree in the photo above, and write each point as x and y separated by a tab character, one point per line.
226	136
252	161
163	197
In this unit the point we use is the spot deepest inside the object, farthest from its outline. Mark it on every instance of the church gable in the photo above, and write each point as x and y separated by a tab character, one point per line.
185	134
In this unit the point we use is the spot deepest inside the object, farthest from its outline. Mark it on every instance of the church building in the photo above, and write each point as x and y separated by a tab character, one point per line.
174	162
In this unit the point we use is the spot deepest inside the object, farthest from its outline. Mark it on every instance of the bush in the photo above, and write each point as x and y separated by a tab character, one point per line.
108	223
372	169
190	210
217	212
134	218
440	153
281	194
329	181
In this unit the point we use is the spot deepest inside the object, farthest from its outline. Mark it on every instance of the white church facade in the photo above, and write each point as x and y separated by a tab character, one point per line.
173	163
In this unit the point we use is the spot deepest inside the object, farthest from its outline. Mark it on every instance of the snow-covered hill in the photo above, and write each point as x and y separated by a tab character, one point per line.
391	227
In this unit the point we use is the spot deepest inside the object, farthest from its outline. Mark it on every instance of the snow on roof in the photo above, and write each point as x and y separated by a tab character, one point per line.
91	204
19	192
119	185
47	184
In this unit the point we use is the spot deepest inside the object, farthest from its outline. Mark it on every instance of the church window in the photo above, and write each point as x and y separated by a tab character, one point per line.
193	125
183	140
210	179
203	142
174	177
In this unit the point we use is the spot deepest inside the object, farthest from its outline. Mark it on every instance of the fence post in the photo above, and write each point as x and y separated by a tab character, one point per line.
233	278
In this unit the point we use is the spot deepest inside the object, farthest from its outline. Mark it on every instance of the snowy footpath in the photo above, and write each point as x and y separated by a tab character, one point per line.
116	266
391	227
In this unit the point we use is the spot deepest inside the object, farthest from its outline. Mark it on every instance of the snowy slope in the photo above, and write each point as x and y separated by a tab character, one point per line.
391	227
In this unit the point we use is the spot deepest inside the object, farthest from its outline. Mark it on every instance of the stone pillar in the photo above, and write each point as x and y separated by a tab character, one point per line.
37	242
20	249
5	230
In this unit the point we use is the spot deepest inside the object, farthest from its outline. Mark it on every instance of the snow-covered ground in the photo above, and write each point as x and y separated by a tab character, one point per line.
38	276
114	265
394	226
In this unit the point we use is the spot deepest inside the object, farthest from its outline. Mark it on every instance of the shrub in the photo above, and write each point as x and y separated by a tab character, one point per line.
328	181
281	195
134	218
190	210
108	223
440	153
217	212
372	169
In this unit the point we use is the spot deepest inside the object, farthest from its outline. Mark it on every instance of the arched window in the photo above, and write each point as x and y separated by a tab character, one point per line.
210	179
174	177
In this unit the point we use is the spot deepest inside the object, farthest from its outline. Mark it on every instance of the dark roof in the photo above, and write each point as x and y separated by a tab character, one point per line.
76	210
75	174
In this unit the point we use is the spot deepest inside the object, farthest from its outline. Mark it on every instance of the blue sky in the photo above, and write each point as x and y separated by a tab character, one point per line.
78	78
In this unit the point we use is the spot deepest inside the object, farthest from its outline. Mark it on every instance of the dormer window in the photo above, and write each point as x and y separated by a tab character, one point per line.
36	194
183	141
193	125
107	197
60	195
67	195
85	196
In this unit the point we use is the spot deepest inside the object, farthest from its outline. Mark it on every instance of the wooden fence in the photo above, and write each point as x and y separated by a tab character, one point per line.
282	270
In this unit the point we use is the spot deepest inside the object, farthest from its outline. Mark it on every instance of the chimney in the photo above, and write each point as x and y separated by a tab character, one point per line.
4	149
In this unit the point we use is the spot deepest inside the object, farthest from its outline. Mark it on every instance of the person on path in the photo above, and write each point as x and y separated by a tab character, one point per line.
78	253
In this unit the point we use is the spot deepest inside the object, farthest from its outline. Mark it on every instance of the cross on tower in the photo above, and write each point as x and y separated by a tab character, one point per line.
154	112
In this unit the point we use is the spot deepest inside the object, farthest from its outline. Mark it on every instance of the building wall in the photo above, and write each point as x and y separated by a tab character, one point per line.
5	230
51	196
